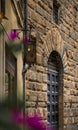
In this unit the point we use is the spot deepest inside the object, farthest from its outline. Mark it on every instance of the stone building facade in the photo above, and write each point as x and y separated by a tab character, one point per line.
52	82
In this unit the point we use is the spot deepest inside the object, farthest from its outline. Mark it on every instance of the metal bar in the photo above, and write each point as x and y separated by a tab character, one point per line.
24	90
23	74
25	22
25	16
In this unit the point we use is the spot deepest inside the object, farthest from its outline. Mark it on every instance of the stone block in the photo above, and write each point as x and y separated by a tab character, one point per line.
68	112
72	34
44	87
33	98
30	104
39	50
76	119
66	91
45	78
32	4
39	77
39	59
40	10
69	120
75	44
69	53
40	68
40	19
65	121
39	86
30	111
76	36
32	14
42	96
42	104
31	75
40	111
43	5
45	113
76	55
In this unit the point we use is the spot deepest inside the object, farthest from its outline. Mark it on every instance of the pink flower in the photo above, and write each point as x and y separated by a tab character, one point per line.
17	116
26	40
33	122
13	34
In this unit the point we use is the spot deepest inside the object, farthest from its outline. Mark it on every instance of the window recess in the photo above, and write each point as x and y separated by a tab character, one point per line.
55	11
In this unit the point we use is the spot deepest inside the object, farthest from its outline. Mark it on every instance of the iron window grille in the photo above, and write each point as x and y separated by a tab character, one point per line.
53	95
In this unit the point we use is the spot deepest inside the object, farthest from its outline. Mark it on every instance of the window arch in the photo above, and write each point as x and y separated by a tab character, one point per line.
55	85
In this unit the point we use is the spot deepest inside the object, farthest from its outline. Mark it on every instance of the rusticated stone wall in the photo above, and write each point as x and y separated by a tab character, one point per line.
63	38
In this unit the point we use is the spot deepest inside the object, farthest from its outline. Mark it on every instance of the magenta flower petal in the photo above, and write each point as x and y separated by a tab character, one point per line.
26	40
13	34
35	123
17	117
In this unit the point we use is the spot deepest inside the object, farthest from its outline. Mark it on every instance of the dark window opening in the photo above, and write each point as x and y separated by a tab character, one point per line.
2	7
53	88
53	92
55	11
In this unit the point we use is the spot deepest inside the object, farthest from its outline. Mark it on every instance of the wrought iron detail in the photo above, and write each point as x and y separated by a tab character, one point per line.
53	95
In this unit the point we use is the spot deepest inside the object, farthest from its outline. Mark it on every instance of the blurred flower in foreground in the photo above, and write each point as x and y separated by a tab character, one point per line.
6	106
17	117
33	122
11	117
13	34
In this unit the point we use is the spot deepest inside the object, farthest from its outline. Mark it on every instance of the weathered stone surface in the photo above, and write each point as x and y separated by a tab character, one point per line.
41	68
44	78
39	77
69	53
42	96
39	59
45	113
39	50
31	75
30	111
68	112
62	38
39	86
40	111
69	56
32	4
30	104
67	120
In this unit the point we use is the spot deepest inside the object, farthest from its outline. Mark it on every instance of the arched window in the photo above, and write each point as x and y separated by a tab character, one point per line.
55	72
56	6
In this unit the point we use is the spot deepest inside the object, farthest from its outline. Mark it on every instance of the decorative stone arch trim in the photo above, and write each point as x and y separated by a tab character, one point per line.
52	41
